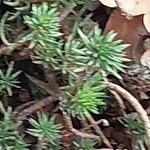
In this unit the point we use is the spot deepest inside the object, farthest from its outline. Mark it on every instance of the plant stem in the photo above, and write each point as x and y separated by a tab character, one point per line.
99	131
135	104
76	132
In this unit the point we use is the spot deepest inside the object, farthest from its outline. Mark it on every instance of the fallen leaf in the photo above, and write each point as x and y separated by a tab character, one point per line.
109	3
132	8
145	59
130	31
146	21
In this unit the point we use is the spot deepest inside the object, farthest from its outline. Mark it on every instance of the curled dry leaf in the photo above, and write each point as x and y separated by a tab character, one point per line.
146	21
109	3
145	58
132	8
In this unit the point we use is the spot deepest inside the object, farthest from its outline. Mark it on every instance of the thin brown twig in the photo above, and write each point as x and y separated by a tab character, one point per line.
80	133
99	131
7	50
76	132
84	135
66	12
135	104
23	106
119	100
35	107
91	125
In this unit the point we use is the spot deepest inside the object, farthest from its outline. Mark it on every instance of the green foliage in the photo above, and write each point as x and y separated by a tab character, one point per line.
44	30
87	99
79	53
47	55
135	124
103	51
47	131
43	24
93	50
69	2
138	131
8	79
72	61
84	144
9	136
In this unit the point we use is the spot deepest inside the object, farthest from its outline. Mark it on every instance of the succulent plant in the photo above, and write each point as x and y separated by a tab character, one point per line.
9	135
93	50
84	144
103	51
8	79
43	24
87	99
47	55
135	124
46	130
72	62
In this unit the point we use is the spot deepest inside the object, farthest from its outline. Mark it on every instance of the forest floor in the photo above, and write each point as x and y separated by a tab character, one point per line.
119	123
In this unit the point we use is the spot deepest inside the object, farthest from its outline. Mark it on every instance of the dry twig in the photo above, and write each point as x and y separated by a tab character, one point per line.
66	12
119	100
76	132
101	121
35	107
135	104
23	106
99	131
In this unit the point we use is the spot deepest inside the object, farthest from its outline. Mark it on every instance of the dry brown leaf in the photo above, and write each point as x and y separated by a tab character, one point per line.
132	8
135	8
145	59
146	21
109	3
